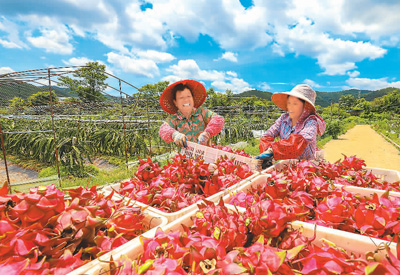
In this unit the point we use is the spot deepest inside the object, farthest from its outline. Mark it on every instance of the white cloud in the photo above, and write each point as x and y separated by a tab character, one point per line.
189	69
230	73
8	44
336	33
77	61
5	70
53	41
229	24
377	19
276	48
265	87
311	83
236	85
133	65
371	84
353	74
156	56
11	37
82	61
335	56
230	56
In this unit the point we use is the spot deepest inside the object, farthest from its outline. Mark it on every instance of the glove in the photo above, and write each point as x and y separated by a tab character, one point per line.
179	139
268	154
203	138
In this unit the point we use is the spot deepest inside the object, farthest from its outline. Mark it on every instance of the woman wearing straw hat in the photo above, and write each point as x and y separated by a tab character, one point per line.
297	128
188	120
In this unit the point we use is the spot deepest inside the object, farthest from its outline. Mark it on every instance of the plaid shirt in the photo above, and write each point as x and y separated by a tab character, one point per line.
192	126
284	129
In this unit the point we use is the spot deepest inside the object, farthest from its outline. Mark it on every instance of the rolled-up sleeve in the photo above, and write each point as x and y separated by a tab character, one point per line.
166	131
215	122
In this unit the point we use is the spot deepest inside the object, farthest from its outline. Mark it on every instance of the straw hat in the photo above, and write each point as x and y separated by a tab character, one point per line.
198	90
301	91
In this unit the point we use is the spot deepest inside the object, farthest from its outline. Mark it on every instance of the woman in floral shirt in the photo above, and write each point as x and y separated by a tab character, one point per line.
297	128
188	120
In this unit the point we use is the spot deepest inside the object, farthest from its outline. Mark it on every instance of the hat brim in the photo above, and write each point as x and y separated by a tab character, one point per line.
280	100
198	91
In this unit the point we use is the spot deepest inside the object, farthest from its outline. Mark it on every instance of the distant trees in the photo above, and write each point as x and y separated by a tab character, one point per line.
347	101
154	90
42	98
88	82
39	98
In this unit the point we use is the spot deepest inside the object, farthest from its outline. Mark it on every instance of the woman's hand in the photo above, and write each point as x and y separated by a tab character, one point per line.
268	154
179	139
203	138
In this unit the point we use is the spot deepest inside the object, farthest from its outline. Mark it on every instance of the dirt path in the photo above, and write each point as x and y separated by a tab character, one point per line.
366	144
16	173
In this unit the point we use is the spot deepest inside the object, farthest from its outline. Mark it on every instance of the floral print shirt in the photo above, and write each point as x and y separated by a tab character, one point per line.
201	120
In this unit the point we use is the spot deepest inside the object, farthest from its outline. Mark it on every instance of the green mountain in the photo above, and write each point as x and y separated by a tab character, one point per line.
324	99
257	93
9	90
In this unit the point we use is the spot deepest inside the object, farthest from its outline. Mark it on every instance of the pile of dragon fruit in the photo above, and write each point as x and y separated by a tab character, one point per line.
41	232
259	241
308	191
182	182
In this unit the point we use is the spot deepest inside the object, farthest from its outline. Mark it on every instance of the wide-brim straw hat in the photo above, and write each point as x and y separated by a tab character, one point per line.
198	91
301	91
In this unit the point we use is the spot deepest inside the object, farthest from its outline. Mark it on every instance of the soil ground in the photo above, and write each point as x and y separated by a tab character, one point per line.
365	143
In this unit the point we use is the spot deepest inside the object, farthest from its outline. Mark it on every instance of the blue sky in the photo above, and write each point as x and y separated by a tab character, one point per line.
226	44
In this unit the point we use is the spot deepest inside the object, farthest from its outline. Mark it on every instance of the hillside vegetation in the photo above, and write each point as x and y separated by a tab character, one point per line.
324	99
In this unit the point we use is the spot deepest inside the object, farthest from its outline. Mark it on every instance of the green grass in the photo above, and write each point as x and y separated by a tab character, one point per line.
102	178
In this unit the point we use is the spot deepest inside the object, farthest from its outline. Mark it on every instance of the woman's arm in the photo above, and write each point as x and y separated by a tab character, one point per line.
166	132
215	122
215	125
269	136
294	146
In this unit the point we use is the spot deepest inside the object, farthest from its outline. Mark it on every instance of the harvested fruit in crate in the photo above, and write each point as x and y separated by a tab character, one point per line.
312	197
226	244
42	233
182	182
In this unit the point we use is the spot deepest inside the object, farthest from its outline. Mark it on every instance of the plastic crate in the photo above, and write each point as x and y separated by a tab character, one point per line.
174	215
151	220
363	191
210	155
385	174
261	178
349	241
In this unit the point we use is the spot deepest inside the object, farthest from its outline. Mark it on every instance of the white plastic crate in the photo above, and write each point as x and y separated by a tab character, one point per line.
351	242
210	155
261	179
385	174
366	191
151	221
174	215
